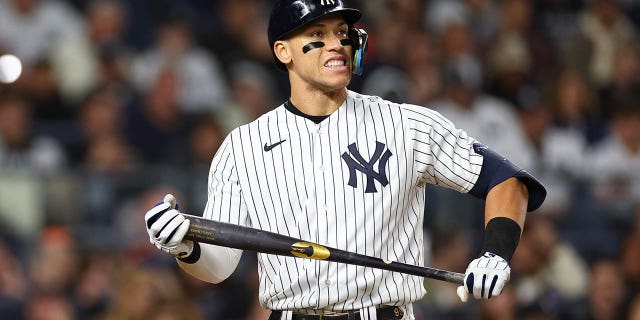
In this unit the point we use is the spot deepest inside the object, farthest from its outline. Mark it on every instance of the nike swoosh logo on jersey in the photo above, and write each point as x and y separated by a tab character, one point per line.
268	148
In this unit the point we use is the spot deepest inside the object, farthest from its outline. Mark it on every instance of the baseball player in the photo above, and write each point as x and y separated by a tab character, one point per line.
348	171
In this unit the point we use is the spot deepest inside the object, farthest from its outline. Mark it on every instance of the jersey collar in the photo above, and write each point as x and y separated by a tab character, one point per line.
292	108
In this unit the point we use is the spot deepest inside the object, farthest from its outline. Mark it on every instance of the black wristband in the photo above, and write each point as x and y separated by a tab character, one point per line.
501	236
194	256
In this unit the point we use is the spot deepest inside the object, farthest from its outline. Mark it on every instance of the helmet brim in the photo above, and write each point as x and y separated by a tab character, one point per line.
351	16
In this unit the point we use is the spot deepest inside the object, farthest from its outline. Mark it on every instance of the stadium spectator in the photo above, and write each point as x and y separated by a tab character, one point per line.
81	60
13	283
158	122
575	107
20	149
252	91
201	82
549	274
606	293
614	164
30	29
603	30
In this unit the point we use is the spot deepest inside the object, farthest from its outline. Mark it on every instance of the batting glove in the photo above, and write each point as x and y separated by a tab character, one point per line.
167	227
485	277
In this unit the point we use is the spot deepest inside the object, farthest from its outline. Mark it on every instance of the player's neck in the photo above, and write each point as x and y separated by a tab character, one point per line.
318	102
314	100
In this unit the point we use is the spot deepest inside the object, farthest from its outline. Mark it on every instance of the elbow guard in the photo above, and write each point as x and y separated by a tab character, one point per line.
496	169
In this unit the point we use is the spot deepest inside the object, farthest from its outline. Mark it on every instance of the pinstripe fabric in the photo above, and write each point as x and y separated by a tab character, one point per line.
300	189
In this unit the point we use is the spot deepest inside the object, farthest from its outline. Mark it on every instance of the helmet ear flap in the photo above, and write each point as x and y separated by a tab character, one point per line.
359	39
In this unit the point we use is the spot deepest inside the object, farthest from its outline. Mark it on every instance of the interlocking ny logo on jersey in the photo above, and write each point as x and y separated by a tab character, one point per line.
356	162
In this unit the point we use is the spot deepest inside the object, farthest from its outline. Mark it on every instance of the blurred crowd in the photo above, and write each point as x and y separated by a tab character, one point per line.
122	101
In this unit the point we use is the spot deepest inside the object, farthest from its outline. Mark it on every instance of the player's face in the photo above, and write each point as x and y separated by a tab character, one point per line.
325	63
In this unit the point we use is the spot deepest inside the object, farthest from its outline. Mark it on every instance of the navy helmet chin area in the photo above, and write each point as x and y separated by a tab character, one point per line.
289	15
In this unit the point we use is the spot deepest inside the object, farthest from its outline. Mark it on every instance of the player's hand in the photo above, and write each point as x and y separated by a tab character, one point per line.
485	277
167	228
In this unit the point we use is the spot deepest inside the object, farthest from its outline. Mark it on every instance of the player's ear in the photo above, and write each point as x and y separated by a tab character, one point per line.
282	51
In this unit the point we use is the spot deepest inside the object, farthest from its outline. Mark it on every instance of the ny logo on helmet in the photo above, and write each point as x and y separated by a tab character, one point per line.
356	162
327	2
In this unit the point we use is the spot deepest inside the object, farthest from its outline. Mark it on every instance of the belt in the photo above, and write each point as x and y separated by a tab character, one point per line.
383	313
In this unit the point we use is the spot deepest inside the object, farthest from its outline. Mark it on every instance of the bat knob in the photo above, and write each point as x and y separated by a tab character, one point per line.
462	294
170	199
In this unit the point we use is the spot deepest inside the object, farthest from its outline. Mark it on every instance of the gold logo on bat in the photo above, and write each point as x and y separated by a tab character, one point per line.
309	250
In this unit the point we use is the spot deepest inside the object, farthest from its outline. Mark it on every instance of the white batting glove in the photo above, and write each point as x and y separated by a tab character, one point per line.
485	277
167	228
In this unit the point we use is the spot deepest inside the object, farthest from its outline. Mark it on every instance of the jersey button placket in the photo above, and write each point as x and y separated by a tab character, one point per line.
320	168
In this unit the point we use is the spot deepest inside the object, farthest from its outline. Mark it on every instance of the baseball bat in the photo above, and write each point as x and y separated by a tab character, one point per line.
245	238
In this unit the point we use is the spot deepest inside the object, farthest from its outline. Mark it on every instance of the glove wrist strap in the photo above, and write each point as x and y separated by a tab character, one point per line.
501	237
194	256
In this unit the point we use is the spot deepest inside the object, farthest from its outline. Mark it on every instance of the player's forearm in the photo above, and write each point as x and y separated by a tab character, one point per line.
507	199
214	264
505	212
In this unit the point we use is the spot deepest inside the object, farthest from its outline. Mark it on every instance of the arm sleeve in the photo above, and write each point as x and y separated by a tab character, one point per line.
226	204
215	263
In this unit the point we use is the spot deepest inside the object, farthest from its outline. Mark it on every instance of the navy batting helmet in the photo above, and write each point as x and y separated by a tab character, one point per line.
289	15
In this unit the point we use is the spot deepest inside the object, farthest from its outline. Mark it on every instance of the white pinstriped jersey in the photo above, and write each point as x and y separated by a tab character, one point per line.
354	182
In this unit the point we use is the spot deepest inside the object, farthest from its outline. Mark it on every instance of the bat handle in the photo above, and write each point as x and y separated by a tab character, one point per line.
444	275
457	278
